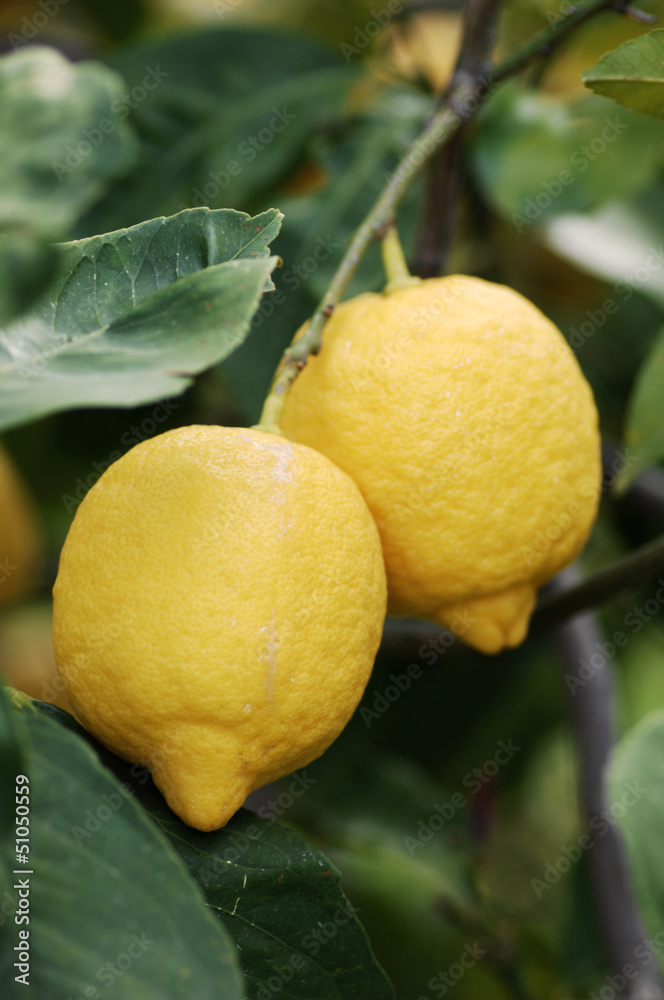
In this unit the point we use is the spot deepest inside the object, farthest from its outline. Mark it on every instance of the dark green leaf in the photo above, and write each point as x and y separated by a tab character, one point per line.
61	139
108	890
132	315
234	111
27	265
644	429
636	782
282	902
633	75
279	898
12	762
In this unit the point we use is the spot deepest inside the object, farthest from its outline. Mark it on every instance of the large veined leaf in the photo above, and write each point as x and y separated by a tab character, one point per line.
537	156
111	905
133	314
279	898
236	109
633	75
62	136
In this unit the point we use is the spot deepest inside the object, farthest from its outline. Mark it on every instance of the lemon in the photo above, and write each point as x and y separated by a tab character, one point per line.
218	607
20	534
464	418
26	653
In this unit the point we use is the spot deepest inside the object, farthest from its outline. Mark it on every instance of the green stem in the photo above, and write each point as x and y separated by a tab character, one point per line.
394	263
542	44
443	123
458	104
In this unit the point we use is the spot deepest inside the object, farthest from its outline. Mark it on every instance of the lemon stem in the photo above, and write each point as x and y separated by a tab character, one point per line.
457	105
394	263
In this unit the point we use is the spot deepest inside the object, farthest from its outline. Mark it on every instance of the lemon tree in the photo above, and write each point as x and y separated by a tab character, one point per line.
238	430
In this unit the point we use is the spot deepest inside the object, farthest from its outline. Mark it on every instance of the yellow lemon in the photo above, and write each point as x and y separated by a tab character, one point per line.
20	534
26	654
464	418
218	607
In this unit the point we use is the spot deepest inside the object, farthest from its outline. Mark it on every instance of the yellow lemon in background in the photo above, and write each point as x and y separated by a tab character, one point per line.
20	534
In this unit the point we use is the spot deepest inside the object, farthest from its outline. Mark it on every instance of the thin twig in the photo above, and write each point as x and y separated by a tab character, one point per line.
458	105
543	43
621	927
440	201
637	567
443	176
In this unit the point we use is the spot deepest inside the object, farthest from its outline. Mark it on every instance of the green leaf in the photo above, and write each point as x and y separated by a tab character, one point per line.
233	114
279	898
111	905
282	902
621	244
61	136
644	430
537	157
27	265
132	315
636	784
402	844
12	762
318	228
633	75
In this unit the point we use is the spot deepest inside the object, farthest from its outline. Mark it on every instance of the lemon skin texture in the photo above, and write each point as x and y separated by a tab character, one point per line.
218	606
462	414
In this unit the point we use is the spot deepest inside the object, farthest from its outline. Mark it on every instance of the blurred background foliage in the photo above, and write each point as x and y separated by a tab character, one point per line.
358	97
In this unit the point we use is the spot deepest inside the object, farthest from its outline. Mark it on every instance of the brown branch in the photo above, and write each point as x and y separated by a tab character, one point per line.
590	701
637	567
442	180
